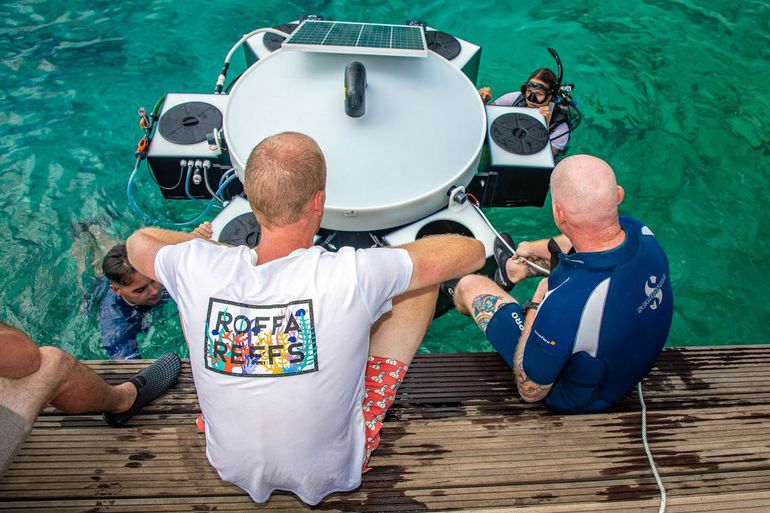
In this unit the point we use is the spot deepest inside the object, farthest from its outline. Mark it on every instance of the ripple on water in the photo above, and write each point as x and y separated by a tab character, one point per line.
661	85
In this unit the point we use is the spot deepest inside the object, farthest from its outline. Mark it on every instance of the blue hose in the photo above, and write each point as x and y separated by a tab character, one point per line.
163	222
187	187
224	175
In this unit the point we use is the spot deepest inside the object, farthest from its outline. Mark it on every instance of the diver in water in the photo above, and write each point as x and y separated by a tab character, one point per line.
122	312
537	93
544	91
131	295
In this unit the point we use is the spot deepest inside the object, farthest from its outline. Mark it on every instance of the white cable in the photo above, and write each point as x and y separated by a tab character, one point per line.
208	187
638	386
497	234
647	450
221	77
253	33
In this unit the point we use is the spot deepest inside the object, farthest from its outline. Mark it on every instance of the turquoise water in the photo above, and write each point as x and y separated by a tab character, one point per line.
673	95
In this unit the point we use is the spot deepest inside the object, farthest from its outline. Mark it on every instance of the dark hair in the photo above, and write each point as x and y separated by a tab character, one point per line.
546	76
116	266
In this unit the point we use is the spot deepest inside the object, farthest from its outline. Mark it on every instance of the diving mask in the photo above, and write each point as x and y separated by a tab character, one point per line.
535	93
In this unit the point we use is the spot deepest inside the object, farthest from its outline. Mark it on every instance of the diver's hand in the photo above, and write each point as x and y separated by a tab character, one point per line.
545	110
486	94
204	230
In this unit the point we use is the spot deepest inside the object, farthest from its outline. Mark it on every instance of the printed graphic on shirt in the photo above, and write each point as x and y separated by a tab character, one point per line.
260	340
653	293
545	340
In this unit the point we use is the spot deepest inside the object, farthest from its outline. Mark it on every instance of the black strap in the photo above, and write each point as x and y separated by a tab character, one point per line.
554	250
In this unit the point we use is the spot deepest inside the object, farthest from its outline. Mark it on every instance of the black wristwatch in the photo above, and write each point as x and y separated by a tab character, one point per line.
530	305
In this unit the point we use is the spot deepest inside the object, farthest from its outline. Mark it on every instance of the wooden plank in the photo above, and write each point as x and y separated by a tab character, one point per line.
732	501
457	438
403	437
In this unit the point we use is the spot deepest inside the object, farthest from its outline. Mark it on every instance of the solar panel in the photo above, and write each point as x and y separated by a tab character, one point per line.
358	38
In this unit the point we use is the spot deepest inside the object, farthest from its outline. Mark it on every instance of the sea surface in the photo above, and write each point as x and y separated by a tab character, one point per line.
674	95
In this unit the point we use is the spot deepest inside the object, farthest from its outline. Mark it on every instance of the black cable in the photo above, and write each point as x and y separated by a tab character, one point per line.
231	84
181	175
571	125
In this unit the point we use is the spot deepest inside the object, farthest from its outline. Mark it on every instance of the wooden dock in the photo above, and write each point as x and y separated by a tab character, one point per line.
458	438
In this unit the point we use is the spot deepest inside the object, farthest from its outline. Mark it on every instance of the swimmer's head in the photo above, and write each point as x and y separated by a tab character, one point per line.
539	88
127	282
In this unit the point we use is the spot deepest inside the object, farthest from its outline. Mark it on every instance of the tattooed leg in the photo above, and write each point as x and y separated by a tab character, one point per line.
485	306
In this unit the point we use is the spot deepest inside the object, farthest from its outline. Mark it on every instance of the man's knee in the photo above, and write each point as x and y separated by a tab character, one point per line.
28	395
471	286
55	365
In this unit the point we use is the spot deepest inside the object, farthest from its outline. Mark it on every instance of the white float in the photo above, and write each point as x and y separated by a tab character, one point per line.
422	132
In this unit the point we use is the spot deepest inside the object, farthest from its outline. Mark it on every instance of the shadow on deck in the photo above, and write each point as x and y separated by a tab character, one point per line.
458	438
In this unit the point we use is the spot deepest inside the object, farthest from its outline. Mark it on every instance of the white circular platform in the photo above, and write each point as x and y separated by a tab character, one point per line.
423	130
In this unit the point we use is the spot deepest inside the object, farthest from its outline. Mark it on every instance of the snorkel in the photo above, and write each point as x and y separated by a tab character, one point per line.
559	68
562	93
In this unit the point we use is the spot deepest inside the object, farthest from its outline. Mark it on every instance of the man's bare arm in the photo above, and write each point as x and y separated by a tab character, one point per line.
538	249
19	356
535	252
143	246
439	258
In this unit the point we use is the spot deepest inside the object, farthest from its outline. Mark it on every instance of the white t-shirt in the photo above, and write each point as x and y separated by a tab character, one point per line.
559	133
278	354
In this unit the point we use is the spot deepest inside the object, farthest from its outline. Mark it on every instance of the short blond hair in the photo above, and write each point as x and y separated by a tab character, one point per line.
282	175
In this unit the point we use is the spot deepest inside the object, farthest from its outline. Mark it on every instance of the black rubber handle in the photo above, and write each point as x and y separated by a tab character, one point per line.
355	89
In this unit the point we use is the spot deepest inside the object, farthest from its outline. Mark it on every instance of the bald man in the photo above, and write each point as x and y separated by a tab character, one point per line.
297	352
595	326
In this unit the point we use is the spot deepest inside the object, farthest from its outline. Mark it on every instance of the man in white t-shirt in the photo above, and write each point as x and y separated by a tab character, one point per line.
297	352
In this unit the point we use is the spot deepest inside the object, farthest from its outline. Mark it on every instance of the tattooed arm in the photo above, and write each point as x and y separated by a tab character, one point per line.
529	390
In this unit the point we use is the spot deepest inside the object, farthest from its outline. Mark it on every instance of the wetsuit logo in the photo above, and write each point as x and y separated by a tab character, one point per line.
260	341
652	289
517	319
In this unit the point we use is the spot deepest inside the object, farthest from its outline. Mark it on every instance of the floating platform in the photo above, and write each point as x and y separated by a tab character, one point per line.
457	438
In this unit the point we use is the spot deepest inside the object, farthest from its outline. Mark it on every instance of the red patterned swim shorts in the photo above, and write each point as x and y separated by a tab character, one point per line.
383	377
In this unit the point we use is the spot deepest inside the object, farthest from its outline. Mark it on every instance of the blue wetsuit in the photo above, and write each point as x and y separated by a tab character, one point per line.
601	326
121	323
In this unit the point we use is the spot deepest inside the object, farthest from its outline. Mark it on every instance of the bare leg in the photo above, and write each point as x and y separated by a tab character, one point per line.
480	297
398	334
65	383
